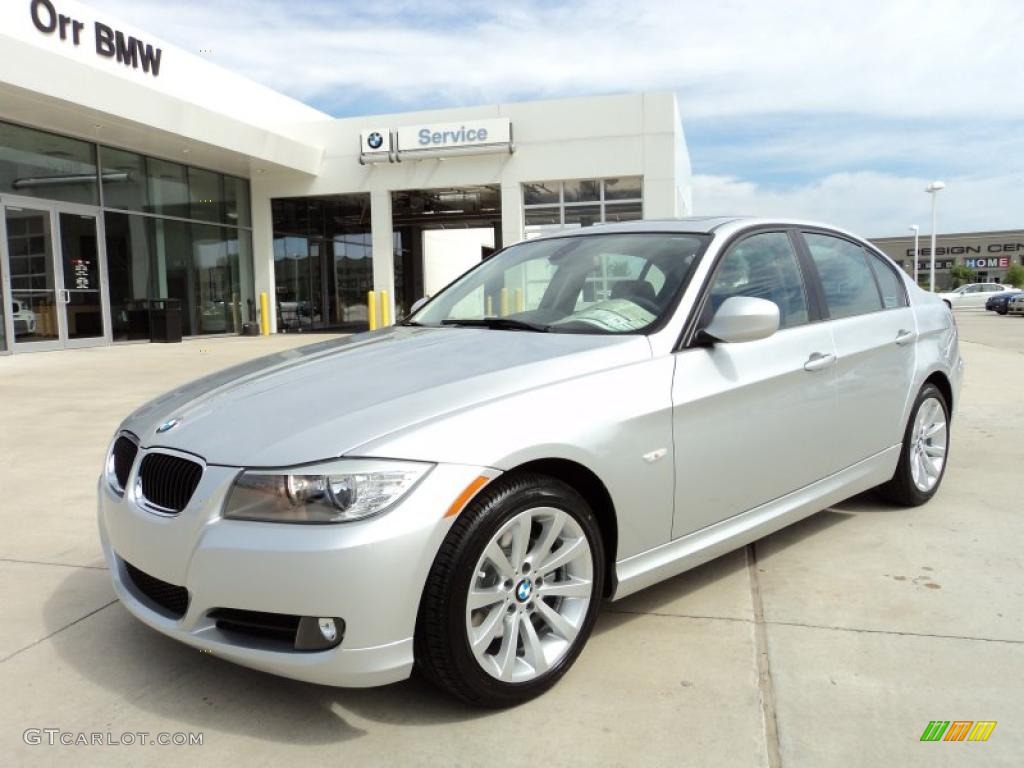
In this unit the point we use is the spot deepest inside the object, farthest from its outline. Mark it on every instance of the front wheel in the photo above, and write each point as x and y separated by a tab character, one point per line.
513	594
922	463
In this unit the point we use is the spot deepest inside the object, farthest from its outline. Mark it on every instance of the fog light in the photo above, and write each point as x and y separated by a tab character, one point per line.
319	634
328	630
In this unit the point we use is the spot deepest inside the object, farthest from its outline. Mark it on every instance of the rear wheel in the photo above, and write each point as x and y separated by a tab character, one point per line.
513	594
922	461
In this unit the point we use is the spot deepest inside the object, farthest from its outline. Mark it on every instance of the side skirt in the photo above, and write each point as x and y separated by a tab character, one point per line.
682	554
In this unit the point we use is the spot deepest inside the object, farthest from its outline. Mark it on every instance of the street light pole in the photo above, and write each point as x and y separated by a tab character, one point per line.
933	189
917	232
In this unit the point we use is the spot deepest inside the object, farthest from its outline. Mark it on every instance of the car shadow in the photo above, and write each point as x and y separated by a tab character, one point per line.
178	684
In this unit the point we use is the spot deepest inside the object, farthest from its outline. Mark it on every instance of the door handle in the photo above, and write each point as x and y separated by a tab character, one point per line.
819	361
904	337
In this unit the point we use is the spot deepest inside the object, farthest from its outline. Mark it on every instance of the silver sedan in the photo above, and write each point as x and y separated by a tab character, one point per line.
576	418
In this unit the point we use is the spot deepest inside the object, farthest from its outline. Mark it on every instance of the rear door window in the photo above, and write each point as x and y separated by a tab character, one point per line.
846	276
893	293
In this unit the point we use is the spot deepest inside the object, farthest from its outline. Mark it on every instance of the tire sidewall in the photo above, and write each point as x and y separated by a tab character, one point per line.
497	510
927	392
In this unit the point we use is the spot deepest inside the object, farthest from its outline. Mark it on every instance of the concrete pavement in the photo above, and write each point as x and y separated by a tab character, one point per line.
831	643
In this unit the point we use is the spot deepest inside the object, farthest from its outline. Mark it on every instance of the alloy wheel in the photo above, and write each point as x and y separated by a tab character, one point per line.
529	594
930	442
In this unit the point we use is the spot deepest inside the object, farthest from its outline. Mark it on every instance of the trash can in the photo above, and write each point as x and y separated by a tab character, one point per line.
165	320
250	329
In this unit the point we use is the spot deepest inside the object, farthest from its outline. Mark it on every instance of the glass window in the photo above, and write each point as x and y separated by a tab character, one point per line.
623	212
543	216
596	284
582	191
236	202
542	192
124	179
763	266
38	164
168	188
216	308
205	194
845	276
629	188
582	215
893	293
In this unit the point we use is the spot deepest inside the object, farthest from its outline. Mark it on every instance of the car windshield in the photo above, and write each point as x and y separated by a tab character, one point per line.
604	284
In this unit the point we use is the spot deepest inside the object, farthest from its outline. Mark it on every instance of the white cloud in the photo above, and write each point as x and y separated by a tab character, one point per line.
871	204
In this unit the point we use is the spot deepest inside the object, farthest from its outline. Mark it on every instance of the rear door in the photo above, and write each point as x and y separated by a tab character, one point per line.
753	421
875	336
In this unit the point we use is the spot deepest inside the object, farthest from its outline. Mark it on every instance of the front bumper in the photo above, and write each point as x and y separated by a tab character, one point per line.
369	573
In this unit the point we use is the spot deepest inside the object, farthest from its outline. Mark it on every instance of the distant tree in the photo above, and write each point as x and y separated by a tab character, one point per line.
1015	276
961	274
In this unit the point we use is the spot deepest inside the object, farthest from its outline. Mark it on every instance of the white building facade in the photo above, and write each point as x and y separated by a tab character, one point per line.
133	172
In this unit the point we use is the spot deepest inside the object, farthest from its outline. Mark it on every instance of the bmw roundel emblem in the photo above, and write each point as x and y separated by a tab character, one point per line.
523	590
374	140
168	425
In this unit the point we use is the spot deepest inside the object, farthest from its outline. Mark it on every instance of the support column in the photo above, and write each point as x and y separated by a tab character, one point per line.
263	252
383	245
512	221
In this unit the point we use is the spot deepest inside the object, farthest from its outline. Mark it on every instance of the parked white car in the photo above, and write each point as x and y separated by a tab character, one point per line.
460	492
974	294
1015	306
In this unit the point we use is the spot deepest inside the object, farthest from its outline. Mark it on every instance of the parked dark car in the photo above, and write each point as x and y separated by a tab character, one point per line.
999	302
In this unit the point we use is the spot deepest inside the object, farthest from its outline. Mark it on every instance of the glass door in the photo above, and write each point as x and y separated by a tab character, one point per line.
81	299
53	275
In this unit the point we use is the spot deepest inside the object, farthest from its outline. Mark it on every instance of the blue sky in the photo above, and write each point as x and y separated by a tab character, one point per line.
839	111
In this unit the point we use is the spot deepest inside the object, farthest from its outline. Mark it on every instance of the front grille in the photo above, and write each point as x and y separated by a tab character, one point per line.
124	452
173	599
169	481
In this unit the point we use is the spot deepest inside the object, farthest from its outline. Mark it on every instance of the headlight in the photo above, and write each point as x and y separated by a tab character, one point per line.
336	492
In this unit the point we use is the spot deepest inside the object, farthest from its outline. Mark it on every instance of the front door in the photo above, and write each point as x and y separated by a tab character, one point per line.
751	420
53	275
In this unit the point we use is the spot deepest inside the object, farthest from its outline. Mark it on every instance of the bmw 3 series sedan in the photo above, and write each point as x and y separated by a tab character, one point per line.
574	419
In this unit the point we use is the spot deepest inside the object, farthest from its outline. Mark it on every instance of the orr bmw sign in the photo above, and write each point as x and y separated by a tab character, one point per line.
414	142
109	42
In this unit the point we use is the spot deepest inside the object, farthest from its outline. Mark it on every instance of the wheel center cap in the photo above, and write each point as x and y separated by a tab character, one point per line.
523	590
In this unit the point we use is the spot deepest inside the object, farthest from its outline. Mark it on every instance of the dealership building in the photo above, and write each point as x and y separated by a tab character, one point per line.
988	254
133	171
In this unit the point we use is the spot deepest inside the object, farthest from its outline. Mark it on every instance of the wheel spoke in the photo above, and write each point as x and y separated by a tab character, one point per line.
532	647
481	598
570	549
495	554
556	621
552	530
487	631
929	467
506	656
520	538
933	429
935	450
574	588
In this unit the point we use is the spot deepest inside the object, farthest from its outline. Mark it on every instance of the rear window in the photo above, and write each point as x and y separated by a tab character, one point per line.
846	276
889	283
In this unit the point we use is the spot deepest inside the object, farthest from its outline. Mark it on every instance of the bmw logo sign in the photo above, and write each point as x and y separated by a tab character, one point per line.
523	590
374	140
168	425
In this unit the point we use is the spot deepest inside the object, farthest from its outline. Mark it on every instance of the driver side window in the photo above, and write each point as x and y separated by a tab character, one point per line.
764	266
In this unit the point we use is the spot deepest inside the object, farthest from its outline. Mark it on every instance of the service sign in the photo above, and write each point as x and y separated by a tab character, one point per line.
496	133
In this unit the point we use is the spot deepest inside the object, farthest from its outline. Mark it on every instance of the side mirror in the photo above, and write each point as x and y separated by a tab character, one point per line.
742	318
416	305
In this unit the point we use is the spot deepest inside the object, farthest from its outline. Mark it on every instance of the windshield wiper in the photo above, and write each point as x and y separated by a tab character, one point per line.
498	323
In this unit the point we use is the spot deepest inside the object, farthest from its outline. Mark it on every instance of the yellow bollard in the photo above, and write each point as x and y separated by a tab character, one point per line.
371	310
520	306
385	310
490	306
264	314
503	302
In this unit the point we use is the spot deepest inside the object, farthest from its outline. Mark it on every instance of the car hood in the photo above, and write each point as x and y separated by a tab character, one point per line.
327	399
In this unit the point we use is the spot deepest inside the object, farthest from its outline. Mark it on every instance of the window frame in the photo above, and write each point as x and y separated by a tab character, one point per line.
867	251
812	285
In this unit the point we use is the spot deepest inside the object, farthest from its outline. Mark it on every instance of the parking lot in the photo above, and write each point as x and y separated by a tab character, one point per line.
831	643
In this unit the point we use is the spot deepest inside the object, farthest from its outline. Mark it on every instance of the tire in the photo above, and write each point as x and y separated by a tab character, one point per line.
498	673
920	454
